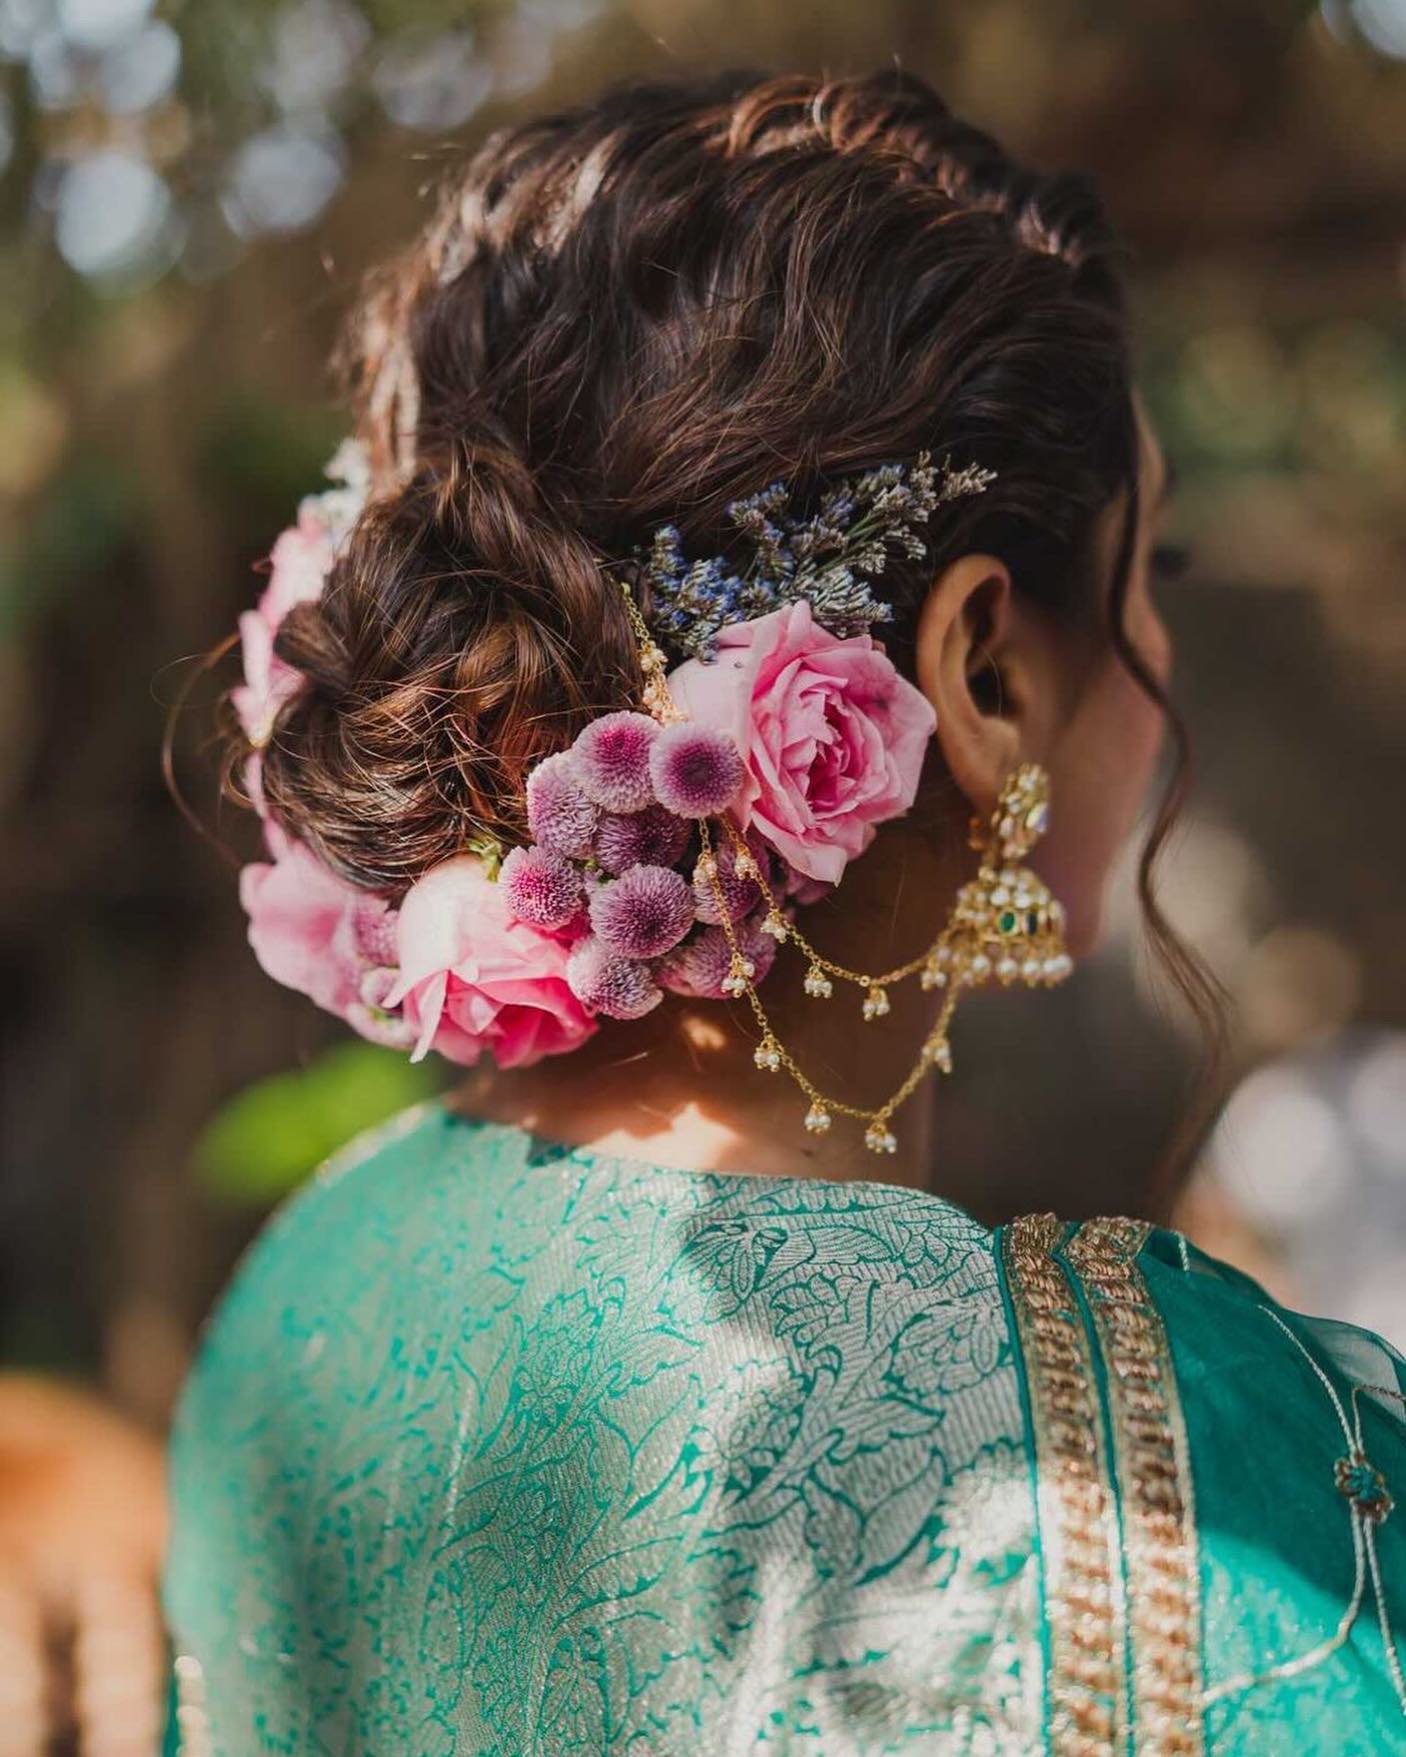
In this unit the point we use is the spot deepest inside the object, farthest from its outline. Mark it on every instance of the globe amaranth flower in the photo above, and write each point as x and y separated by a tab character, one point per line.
739	896
542	888
652	837
475	979
561	818
611	757
699	966
620	988
697	770
644	913
832	737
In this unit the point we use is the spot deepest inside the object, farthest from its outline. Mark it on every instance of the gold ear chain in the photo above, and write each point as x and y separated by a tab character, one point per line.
1005	927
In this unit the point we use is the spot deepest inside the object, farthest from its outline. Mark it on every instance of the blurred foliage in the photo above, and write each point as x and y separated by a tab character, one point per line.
252	450
149	141
82	517
264	1141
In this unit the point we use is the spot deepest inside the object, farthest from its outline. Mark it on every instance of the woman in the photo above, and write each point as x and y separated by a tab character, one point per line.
746	567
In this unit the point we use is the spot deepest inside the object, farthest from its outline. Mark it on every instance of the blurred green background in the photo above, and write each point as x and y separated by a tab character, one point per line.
191	193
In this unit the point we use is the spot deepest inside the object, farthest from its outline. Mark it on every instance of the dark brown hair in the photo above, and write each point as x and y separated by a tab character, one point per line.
632	313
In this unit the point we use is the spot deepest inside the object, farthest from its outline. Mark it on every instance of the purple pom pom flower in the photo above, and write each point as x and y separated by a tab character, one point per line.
612	760
621	988
699	967
646	911
541	888
697	770
652	837
740	895
559	814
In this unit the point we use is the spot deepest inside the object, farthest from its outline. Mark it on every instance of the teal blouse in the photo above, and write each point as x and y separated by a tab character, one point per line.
499	1447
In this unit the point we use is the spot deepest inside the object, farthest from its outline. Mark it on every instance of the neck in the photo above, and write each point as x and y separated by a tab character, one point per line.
680	1088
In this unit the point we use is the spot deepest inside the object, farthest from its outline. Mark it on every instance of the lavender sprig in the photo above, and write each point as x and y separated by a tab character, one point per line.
825	559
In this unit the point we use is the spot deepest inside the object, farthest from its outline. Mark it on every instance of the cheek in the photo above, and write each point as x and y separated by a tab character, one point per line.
1098	778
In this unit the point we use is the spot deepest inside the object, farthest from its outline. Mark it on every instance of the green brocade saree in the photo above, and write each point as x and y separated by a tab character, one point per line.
501	1447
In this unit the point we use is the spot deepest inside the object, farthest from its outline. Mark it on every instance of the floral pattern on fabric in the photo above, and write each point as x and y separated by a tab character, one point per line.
503	1449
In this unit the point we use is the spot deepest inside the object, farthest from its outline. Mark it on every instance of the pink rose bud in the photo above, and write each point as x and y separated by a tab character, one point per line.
832	737
473	979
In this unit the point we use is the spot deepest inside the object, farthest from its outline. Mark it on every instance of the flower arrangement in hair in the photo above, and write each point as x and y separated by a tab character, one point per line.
789	720
670	845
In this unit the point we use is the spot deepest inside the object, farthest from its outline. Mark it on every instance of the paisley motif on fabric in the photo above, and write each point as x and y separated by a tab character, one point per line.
501	1449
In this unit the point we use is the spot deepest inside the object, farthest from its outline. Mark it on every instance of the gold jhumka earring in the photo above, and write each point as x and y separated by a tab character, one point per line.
1005	927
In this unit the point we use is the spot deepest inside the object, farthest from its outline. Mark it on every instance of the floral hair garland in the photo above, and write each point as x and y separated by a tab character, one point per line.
786	717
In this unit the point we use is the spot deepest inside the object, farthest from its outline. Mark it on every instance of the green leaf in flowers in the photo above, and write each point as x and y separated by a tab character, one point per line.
270	1137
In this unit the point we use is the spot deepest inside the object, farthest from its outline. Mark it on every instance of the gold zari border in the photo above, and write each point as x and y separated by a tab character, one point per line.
1121	1569
1153	1463
1083	1582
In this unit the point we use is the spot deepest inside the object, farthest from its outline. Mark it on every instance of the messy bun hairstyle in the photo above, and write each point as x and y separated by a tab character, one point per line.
632	313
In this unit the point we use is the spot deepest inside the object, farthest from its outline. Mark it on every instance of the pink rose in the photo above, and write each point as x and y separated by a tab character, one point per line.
315	933
472	978
299	564
832	737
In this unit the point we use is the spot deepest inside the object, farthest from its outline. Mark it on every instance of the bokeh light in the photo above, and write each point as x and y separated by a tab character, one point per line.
432	82
1282	1150
313	53
141	70
98	24
1383	23
1309	1157
282	179
1376	1103
111	215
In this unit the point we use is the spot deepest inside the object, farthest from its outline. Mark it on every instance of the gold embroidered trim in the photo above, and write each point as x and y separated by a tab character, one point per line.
1087	1678
1154	1477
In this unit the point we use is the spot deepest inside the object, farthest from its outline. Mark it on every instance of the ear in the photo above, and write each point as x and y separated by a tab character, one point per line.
984	664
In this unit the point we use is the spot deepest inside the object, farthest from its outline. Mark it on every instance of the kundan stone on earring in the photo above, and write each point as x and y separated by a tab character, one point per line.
1005	922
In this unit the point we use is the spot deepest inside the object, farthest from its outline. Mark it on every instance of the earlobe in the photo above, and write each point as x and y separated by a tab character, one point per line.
961	662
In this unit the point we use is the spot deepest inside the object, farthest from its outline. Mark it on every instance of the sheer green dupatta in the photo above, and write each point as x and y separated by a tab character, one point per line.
1221	1565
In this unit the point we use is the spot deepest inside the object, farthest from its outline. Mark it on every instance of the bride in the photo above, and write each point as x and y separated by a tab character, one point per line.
728	644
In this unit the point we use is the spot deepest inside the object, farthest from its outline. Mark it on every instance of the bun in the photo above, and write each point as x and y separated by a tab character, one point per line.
443	660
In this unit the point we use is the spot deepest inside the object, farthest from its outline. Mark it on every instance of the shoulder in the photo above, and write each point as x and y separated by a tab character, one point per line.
426	1177
778	1420
312	1329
